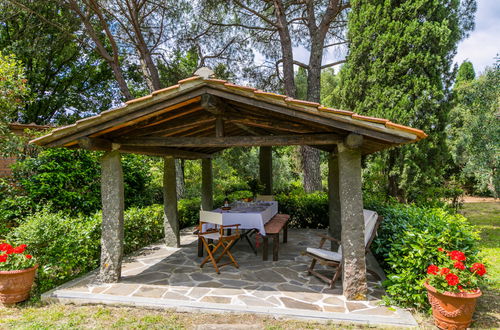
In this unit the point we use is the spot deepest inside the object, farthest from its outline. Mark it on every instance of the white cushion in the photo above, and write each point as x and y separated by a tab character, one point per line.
370	220
325	254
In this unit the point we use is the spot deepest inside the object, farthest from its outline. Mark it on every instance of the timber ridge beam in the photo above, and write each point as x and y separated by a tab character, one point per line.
232	141
97	144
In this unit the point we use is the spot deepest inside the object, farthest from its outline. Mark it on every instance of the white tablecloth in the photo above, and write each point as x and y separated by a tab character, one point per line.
249	215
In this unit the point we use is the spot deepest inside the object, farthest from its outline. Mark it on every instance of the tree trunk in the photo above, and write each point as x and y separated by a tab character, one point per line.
286	49
179	178
145	53
117	72
310	167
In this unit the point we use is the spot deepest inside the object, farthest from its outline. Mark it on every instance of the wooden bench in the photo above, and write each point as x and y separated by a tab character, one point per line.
273	227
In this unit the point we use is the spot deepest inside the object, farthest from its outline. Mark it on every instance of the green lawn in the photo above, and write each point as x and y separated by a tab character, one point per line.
486	216
57	316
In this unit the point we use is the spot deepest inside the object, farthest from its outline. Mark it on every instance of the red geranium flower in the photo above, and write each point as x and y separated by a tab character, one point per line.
459	265
3	258
29	256
452	279
457	255
5	247
432	269
478	268
444	271
440	249
19	249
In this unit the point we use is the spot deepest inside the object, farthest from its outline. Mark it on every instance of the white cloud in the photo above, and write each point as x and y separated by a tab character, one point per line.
483	43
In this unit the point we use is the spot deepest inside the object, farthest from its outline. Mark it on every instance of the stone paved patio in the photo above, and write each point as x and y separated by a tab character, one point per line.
171	278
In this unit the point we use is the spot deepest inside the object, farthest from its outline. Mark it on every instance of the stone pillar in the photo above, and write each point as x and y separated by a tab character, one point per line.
352	220
266	169
207	187
335	226
170	219
112	197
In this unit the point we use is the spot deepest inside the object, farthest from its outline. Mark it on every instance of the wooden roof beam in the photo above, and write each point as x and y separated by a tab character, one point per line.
232	141
97	144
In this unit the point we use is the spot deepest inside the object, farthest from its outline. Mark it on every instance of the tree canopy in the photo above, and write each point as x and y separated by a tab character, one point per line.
474	129
400	67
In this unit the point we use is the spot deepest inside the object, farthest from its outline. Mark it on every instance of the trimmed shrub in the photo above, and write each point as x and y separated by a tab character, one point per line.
70	180
408	242
306	210
67	247
64	246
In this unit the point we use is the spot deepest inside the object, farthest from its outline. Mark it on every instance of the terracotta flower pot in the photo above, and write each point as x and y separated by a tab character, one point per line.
452	310
15	285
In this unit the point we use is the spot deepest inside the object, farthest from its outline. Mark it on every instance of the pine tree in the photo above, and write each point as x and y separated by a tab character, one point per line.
400	67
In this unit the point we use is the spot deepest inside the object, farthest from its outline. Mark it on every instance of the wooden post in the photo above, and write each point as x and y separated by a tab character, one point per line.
112	197
171	220
207	196
266	169
335	225
351	214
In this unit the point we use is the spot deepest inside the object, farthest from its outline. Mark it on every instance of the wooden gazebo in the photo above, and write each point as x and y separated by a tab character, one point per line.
201	116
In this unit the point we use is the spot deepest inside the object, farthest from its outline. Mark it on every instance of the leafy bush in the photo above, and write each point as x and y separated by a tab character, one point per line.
408	242
70	181
142	226
306	210
67	246
64	246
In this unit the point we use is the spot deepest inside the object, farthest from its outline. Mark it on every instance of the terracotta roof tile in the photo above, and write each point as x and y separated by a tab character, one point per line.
139	99
418	132
166	89
269	94
217	81
244	88
189	79
302	102
336	111
372	119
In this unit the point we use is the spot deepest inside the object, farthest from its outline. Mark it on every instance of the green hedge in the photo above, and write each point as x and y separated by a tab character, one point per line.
67	247
407	243
305	210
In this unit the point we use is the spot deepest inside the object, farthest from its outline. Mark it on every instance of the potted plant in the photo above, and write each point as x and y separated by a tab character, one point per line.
452	289
17	272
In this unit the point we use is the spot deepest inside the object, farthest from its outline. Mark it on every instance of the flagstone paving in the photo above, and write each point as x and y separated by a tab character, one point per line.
171	278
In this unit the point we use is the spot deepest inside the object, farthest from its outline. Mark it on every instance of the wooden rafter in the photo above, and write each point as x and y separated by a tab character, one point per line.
233	141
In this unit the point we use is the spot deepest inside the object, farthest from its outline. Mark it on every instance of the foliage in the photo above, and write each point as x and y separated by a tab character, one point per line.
65	246
408	242
306	210
399	67
67	80
465	72
15	257
68	246
13	95
455	272
69	180
329	85
474	130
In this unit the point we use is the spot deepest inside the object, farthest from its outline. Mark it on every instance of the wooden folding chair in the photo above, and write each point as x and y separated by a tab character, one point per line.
217	234
334	259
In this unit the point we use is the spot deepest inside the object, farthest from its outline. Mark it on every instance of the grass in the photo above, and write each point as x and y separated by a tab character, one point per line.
58	316
486	216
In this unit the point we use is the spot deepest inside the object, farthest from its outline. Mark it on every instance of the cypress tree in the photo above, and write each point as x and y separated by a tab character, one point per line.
400	67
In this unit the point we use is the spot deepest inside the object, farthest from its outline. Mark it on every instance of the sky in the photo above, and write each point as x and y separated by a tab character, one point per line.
483	44
481	47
